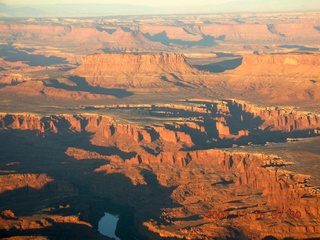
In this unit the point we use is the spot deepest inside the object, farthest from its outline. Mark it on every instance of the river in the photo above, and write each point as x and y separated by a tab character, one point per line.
108	224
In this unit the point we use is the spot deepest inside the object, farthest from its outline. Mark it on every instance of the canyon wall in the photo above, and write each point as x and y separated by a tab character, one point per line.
134	37
263	32
287	65
126	63
277	118
76	37
134	166
220	120
132	70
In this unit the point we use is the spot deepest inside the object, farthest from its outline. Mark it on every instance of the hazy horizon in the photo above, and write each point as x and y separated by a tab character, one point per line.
30	8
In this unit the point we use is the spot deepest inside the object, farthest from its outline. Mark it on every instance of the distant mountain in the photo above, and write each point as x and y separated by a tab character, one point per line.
73	10
20	11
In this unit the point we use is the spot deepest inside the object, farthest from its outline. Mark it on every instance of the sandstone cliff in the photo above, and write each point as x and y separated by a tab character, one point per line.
287	65
220	122
84	39
275	79
14	181
132	70
126	63
277	32
276	118
136	166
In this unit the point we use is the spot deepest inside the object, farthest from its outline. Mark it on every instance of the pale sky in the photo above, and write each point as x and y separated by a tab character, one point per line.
182	6
156	3
130	2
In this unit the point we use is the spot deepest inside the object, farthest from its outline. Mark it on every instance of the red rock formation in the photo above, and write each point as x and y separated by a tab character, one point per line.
298	65
263	32
133	69
85	39
166	134
277	118
25	30
173	136
222	128
8	214
277	79
172	32
305	30
116	39
200	179
40	222
38	89
240	32
220	125
126	63
232	182
13	181
182	107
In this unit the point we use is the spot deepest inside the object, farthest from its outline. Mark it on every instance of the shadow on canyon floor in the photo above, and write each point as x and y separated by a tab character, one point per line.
3	85
206	41
82	85
75	182
13	54
220	67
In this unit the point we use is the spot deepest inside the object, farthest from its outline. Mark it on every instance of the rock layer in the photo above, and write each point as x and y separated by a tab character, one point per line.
287	65
138	165
127	69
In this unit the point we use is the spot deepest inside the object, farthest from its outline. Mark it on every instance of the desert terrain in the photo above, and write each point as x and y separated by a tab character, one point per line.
186	126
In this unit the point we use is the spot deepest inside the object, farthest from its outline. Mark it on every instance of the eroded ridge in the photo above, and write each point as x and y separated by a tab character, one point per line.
159	163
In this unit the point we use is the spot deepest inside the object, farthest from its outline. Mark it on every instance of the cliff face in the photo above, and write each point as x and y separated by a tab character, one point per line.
126	63
84	39
106	132
263	32
22	30
300	65
275	79
223	122
134	69
172	32
275	118
282	59
134	165
14	181
216	180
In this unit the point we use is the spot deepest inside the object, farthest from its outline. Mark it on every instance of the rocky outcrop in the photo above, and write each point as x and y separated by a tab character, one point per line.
246	32
103	128
222	128
128	69
11	182
282	59
93	38
277	79
173	136
29	30
172	32
226	181
8	214
228	120
288	65
135	165
277	118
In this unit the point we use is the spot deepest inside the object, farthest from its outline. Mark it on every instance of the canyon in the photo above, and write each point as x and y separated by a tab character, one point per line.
192	180
166	121
133	77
